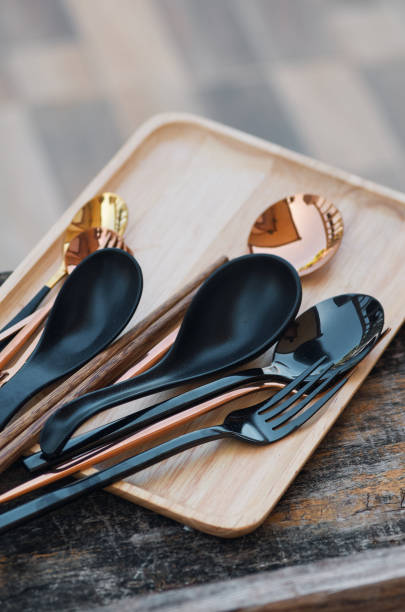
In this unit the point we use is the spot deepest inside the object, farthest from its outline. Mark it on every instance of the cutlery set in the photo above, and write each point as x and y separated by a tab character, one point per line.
243	308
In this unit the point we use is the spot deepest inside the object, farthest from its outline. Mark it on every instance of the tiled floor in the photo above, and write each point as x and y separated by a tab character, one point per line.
324	77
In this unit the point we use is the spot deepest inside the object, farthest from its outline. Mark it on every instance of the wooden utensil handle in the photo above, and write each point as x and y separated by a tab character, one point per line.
102	369
24	312
18	341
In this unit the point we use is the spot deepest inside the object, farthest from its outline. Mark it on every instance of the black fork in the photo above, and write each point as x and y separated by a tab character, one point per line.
256	425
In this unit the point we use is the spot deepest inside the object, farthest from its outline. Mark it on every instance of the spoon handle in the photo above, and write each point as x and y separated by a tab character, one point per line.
59	497
57	430
24	312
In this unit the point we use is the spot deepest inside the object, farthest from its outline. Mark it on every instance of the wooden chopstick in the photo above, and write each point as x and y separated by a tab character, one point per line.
6	374
94	456
17	326
24	334
101	370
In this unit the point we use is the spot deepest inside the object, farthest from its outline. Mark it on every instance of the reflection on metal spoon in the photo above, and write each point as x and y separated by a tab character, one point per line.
304	229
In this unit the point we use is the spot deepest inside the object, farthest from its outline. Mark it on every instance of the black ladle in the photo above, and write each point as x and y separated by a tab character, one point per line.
94	305
238	313
343	329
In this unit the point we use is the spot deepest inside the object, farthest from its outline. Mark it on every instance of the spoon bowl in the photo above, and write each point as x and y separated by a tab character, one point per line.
106	210
305	229
93	306
342	329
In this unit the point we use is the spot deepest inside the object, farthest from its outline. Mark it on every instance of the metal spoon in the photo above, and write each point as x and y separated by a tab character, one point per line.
93	306
304	229
106	210
343	329
239	312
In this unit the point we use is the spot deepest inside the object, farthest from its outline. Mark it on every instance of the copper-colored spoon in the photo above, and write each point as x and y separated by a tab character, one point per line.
305	229
106	210
80	247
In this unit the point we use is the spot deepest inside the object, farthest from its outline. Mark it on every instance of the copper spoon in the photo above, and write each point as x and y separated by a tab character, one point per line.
305	229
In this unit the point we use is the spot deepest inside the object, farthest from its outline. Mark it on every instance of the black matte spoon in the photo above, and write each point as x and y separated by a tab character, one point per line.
238	313
92	308
343	329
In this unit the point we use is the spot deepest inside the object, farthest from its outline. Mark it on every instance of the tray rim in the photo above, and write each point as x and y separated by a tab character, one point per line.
117	163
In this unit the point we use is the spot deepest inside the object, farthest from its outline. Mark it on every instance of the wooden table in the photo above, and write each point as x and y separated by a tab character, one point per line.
337	538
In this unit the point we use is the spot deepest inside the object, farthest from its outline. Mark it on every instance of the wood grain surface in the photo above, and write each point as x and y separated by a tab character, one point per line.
209	185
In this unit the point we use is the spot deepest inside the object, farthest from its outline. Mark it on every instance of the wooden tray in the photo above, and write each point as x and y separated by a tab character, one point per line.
194	188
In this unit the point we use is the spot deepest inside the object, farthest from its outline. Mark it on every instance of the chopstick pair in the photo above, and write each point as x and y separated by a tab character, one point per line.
102	370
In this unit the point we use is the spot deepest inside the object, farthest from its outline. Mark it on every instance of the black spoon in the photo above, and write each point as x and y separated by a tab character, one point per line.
92	308
238	313
343	329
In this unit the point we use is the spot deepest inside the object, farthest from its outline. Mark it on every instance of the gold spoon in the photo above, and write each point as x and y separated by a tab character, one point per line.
106	210
80	247
305	229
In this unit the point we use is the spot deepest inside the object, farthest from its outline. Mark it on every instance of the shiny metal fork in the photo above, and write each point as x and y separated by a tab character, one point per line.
263	423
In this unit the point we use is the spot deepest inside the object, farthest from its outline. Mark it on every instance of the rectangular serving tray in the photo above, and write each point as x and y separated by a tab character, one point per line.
193	189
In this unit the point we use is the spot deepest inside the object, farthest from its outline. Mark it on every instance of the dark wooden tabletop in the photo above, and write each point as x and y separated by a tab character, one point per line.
349	498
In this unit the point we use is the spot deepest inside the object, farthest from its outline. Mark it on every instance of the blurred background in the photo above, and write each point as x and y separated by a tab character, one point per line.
322	77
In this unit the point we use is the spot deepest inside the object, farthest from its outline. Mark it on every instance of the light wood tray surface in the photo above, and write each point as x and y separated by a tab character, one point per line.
194	188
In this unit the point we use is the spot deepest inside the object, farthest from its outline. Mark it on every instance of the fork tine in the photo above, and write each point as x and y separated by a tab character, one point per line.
302	418
291	386
300	405
291	400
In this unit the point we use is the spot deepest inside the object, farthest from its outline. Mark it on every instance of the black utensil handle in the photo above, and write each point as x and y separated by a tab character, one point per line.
64	422
61	496
58	429
24	312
